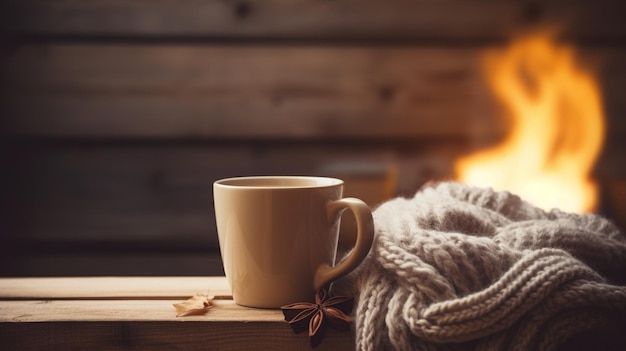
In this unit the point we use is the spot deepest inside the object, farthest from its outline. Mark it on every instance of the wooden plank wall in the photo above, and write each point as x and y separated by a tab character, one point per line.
117	116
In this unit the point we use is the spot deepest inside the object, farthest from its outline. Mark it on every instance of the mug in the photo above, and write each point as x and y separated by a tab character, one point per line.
278	236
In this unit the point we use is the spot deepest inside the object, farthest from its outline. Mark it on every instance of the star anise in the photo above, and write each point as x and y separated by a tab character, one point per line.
333	311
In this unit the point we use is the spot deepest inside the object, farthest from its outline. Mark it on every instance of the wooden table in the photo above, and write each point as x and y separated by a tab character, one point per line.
136	313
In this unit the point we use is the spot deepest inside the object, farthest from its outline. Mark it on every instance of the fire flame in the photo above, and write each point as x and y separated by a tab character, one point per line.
557	127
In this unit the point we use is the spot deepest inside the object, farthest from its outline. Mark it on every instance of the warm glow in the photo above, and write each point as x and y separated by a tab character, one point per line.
556	127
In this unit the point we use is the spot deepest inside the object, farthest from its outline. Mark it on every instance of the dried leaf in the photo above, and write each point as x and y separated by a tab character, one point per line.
198	304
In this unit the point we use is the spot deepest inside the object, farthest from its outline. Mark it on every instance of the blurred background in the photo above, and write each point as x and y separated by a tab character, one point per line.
117	116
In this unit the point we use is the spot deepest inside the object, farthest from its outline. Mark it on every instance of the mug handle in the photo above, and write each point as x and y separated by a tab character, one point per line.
364	239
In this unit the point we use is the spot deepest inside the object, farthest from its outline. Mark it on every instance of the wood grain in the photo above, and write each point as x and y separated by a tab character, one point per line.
128	310
118	260
137	314
111	287
146	196
197	91
157	335
301	19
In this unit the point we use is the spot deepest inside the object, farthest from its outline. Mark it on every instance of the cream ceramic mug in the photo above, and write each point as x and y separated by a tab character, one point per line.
278	236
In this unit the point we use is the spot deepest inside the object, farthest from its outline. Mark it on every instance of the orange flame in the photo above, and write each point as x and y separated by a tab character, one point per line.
557	128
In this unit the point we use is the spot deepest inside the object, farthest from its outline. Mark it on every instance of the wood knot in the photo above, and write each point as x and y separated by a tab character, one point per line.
242	10
532	12
386	93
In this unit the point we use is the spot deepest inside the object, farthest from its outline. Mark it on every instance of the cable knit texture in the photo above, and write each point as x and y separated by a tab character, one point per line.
462	268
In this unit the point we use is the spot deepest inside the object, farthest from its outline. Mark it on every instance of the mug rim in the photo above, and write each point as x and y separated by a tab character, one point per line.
242	182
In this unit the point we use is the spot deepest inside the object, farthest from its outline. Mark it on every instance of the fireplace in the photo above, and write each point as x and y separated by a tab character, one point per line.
117	117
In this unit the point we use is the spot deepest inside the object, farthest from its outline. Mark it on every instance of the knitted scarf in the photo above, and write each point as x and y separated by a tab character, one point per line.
463	268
